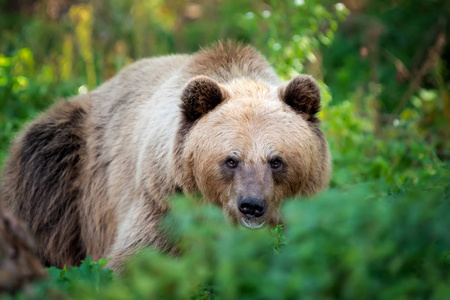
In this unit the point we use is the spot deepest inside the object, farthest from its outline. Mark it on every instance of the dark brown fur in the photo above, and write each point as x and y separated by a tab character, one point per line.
201	95
303	94
44	173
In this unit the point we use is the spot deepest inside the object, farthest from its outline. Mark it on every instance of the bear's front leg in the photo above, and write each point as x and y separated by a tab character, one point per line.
139	228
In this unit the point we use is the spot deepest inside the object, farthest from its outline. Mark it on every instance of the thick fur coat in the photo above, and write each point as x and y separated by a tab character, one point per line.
93	174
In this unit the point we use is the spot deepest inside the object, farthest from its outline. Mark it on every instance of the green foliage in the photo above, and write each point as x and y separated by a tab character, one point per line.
305	25
25	90
280	237
393	54
84	281
400	155
405	36
352	244
89	276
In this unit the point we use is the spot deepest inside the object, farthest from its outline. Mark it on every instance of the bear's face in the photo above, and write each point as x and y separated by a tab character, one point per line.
253	148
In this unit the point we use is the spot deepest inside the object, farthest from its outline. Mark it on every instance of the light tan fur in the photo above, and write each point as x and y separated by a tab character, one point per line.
140	141
258	126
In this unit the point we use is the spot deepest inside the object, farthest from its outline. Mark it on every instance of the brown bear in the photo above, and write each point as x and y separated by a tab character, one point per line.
93	174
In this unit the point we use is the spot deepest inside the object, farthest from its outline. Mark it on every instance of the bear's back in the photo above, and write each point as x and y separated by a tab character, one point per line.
82	150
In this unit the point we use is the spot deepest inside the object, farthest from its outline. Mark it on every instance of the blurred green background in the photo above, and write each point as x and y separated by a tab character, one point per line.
383	65
384	70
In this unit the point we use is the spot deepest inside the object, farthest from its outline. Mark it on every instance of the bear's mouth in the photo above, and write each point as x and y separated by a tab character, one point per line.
252	223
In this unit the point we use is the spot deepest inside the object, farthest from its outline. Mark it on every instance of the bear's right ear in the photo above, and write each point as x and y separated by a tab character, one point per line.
201	95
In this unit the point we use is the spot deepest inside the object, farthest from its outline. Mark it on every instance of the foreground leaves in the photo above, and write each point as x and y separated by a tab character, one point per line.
362	243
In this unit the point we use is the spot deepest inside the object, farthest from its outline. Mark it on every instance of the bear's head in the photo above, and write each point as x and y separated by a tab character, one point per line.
247	146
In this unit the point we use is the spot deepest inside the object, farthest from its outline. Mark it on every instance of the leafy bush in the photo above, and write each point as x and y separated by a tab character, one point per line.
344	244
397	155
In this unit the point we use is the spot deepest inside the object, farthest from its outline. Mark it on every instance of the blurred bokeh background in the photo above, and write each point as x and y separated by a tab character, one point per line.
383	65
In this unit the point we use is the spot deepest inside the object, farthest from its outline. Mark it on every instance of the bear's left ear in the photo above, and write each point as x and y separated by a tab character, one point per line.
201	95
302	93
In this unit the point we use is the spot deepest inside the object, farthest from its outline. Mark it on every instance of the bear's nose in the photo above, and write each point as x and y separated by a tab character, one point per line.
252	207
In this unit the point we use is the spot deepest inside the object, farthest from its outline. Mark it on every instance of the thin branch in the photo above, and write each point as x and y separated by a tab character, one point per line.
434	55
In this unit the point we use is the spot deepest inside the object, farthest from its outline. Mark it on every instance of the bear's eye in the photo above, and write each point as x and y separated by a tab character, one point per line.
231	163
276	163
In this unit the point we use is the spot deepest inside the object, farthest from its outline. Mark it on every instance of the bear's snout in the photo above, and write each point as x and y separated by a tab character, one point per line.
252	207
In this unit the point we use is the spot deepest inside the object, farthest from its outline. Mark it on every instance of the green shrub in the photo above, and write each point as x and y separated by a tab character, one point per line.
397	155
344	244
